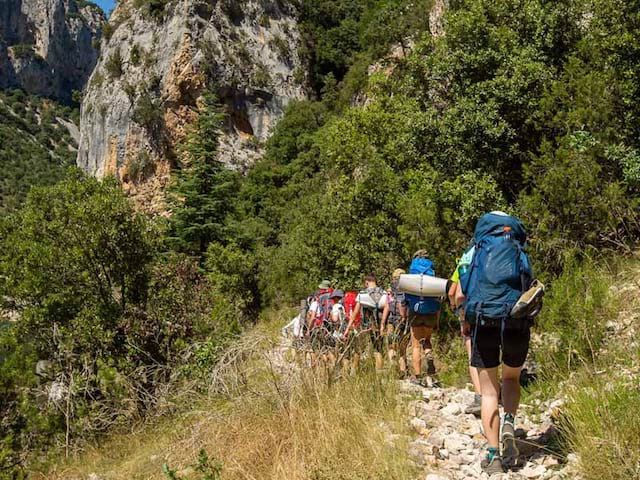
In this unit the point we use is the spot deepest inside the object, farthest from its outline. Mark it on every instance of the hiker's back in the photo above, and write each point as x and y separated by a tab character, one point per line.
372	300
499	271
421	305
324	307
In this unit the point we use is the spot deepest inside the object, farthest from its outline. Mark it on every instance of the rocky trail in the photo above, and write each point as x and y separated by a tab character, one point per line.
449	444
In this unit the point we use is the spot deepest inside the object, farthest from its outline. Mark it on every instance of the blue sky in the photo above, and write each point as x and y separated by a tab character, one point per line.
107	5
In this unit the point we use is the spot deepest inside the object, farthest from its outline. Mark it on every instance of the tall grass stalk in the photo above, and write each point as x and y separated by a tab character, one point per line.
263	421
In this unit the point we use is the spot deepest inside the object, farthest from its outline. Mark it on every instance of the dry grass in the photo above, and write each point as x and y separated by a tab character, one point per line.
264	422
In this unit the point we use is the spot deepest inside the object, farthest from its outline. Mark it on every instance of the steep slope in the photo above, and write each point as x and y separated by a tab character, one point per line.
47	47
38	142
156	63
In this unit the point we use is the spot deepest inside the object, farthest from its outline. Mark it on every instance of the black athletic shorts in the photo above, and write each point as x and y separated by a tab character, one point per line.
488	342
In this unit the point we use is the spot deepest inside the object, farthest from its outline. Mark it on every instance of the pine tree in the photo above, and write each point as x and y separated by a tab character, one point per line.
203	192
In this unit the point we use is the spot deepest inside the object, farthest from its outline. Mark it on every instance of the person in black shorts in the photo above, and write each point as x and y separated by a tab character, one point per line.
491	347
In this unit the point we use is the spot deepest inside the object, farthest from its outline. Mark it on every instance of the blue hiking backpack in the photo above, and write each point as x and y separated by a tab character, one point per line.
499	271
416	303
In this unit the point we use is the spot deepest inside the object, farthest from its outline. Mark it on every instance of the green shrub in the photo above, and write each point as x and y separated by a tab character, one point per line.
139	165
134	55
107	30
573	321
113	65
596	418
148	113
156	8
24	50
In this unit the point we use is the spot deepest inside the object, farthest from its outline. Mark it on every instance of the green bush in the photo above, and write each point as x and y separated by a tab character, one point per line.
596	419
113	65
24	50
115	322
156	8
148	113
573	321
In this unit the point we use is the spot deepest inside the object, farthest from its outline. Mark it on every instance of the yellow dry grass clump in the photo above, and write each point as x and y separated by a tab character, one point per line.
265	421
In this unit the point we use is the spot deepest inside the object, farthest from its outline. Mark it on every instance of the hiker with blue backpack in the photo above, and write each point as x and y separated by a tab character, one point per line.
423	315
499	302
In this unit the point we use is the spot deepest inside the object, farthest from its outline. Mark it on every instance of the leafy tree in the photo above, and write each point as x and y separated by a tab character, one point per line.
73	260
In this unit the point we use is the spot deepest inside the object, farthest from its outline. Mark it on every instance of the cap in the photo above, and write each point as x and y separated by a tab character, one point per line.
324	285
337	294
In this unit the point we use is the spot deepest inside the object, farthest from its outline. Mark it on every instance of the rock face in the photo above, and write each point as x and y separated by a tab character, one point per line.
156	64
47	46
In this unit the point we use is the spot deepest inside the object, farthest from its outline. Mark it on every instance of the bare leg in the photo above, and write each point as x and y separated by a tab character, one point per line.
473	371
489	388
402	354
355	361
420	340
379	360
511	389
345	364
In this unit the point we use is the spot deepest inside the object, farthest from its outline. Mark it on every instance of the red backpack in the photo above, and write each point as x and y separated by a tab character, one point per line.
349	303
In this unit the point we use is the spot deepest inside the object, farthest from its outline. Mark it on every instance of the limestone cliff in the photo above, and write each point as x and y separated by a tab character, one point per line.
48	47
155	65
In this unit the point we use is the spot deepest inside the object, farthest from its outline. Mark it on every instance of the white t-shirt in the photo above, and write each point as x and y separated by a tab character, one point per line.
337	313
314	307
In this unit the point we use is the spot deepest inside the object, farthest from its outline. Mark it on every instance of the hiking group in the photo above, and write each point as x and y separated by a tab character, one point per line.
492	293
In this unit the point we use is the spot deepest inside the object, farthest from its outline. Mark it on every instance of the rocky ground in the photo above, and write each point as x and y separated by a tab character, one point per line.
449	444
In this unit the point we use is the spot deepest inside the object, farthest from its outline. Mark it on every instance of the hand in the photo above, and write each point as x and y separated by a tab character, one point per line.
465	328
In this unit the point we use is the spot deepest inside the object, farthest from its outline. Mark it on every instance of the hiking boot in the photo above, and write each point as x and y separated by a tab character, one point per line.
475	407
510	451
493	466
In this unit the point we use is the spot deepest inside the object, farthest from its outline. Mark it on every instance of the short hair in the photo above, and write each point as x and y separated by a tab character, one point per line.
397	272
370	277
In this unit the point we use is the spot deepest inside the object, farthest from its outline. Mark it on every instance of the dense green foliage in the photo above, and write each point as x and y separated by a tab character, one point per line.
113	323
527	106
340	34
35	148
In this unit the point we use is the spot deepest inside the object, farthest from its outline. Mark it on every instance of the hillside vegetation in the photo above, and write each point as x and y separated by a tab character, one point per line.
524	105
36	147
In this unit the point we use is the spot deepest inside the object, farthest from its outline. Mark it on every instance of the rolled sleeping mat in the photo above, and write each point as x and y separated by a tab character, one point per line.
367	301
423	285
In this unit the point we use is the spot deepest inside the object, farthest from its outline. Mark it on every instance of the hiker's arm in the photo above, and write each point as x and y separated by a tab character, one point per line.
354	315
385	315
383	322
452	294
465	329
311	317
459	295
403	311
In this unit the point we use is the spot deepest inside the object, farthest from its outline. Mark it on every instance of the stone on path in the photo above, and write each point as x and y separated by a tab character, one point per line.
433	476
